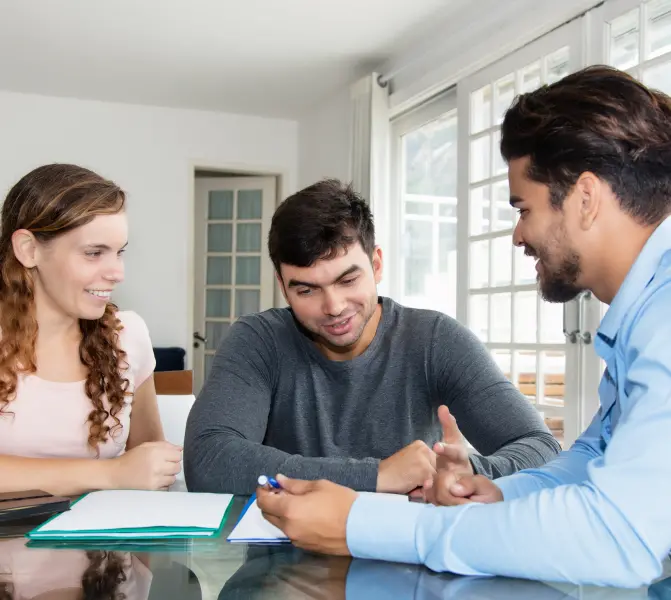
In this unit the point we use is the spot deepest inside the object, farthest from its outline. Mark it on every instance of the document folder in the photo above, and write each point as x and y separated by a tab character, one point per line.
129	514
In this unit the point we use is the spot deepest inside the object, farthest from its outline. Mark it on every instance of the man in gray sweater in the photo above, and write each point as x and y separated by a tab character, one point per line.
348	386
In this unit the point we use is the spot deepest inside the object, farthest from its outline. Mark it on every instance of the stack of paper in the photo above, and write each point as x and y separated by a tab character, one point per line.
252	528
138	514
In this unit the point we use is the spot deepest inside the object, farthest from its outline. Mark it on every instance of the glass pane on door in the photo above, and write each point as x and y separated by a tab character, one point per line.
479	210
481	109
246	302
553	367
214	331
219	237
428	214
526	373
624	44
218	303
504	310
218	270
248	237
250	204
248	270
658	28
220	205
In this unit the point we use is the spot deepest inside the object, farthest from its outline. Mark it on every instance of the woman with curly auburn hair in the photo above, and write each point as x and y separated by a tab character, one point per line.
76	383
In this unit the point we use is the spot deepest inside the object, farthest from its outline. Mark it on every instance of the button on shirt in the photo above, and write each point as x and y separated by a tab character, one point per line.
600	512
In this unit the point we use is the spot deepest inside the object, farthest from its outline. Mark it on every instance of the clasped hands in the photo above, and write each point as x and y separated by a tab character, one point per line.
314	514
440	475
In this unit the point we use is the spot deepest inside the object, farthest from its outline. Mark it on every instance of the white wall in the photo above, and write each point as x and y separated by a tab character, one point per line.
324	140
150	152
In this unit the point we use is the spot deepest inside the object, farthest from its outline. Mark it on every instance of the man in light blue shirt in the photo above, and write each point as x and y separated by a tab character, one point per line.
590	174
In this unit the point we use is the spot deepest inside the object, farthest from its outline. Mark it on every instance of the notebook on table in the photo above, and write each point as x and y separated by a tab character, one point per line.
32	503
138	514
252	527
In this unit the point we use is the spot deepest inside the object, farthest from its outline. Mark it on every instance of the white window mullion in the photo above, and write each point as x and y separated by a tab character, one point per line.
463	195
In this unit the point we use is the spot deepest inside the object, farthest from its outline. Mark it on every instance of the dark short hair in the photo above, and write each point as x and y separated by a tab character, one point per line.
319	222
600	120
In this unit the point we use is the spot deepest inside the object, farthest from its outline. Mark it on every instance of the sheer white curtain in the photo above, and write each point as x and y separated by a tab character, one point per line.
369	150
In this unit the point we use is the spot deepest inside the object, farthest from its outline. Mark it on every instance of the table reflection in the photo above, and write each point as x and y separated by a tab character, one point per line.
48	574
286	573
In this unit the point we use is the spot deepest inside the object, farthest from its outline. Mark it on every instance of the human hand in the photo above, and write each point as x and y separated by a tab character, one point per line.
451	489
406	470
451	451
312	514
149	466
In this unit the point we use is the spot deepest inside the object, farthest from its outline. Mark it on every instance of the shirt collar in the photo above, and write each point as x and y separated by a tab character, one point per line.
639	276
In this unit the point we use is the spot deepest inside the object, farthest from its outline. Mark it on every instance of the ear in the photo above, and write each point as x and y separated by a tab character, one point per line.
281	284
377	263
25	248
588	191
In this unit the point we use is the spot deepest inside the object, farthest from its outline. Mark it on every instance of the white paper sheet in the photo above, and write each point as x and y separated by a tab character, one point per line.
254	528
136	509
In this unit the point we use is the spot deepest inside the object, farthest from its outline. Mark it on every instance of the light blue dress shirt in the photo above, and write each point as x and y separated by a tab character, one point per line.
599	513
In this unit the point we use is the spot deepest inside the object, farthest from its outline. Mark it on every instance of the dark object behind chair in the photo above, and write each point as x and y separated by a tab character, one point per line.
170	359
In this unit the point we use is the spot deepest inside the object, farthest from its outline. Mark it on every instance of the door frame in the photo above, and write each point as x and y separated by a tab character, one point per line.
283	187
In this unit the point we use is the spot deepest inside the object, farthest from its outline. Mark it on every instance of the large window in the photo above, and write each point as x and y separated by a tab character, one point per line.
455	224
425	154
450	209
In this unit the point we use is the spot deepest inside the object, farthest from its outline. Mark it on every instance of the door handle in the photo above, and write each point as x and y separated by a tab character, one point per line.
574	332
570	332
584	336
199	338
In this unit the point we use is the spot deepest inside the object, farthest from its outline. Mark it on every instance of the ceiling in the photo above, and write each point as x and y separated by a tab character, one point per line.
266	57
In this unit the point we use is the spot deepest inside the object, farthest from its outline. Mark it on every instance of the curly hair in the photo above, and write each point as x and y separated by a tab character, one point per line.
104	574
50	201
601	120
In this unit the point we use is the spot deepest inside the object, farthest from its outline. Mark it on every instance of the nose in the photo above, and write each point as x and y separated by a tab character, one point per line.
518	240
333	304
116	271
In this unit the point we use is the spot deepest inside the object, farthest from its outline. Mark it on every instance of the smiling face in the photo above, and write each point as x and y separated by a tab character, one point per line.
543	232
75	273
336	299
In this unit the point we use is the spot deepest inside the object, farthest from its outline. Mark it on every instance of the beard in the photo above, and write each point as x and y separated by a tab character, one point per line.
557	283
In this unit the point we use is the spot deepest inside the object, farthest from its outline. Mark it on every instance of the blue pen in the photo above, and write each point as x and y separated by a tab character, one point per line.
271	481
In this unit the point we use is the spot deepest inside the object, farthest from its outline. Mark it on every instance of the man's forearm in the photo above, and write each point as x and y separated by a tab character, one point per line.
528	452
233	466
570	534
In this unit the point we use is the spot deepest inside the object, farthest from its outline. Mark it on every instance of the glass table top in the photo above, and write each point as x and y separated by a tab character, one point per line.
216	569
